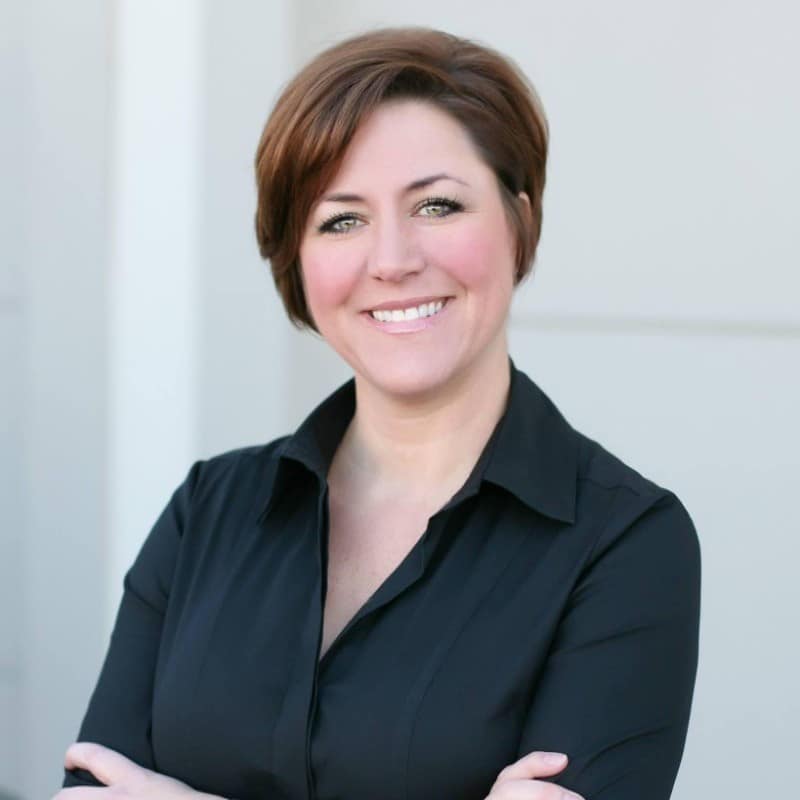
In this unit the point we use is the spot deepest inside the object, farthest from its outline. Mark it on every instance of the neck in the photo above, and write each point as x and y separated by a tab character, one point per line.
425	446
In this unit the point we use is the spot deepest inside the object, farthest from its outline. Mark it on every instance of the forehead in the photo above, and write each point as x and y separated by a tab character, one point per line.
405	139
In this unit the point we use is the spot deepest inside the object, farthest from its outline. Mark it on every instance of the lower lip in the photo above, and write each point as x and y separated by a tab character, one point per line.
408	325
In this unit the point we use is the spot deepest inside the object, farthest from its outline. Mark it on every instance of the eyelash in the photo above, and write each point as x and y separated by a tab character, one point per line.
448	203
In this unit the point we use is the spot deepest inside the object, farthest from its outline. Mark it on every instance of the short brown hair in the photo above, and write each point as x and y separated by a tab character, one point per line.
319	111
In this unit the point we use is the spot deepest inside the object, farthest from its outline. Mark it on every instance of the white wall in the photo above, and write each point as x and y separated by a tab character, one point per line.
129	277
197	334
139	329
53	372
11	368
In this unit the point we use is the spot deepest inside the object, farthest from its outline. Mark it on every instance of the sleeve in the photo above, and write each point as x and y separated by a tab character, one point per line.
616	690
119	711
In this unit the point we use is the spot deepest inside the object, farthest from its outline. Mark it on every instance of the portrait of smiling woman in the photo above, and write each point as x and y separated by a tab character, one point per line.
435	588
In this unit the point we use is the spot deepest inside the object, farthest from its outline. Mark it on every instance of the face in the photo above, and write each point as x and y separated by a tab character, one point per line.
408	257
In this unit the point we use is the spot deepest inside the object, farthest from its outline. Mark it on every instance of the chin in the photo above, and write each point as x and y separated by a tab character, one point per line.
408	380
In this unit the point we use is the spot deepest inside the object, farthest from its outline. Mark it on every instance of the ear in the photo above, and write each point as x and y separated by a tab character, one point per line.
525	199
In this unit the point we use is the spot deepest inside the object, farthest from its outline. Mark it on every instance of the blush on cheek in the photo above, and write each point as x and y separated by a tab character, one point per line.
473	257
327	282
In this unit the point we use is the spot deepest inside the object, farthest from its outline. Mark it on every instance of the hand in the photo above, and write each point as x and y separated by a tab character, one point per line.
516	781
123	778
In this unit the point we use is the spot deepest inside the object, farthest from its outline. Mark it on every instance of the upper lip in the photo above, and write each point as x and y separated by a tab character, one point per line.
412	302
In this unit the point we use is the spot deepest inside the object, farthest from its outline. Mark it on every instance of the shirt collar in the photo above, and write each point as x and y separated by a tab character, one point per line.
314	443
532	453
535	455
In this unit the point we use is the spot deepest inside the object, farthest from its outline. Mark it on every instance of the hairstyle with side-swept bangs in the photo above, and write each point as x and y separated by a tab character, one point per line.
320	109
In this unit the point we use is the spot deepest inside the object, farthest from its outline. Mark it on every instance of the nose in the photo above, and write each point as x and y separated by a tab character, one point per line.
393	254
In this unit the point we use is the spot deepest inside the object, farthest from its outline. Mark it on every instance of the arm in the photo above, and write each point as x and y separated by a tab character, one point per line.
119	710
616	691
120	777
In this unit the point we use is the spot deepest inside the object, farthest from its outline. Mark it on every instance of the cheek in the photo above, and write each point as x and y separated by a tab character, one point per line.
328	278
477	257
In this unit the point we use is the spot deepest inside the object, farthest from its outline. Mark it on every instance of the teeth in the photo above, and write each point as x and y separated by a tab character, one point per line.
415	312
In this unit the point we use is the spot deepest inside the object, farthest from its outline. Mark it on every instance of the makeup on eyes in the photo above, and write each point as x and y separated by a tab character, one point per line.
450	204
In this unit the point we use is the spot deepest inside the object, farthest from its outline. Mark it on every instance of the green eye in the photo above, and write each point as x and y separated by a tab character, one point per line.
439	207
340	223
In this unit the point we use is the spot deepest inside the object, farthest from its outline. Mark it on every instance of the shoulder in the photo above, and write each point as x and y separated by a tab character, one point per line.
605	470
250	458
210	512
241	472
630	505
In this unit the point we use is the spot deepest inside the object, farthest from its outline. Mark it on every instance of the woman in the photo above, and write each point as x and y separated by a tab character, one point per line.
436	579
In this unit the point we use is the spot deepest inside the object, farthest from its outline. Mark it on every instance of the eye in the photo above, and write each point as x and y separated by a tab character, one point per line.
338	223
439	207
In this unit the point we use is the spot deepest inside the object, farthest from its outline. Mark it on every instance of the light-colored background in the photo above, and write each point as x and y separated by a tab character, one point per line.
139	329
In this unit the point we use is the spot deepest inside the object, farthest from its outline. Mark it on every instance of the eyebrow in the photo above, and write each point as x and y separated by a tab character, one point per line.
343	197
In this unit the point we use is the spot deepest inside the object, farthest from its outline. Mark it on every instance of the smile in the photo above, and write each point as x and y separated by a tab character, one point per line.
414	312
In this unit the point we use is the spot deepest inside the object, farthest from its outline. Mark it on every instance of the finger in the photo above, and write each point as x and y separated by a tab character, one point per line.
105	764
531	790
534	765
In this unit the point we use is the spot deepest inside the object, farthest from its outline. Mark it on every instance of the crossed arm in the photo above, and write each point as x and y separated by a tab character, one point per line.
615	693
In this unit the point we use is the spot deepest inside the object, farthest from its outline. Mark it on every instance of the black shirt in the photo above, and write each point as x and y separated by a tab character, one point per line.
552	604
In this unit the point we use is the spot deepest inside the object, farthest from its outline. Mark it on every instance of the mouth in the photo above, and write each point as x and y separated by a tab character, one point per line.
413	312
